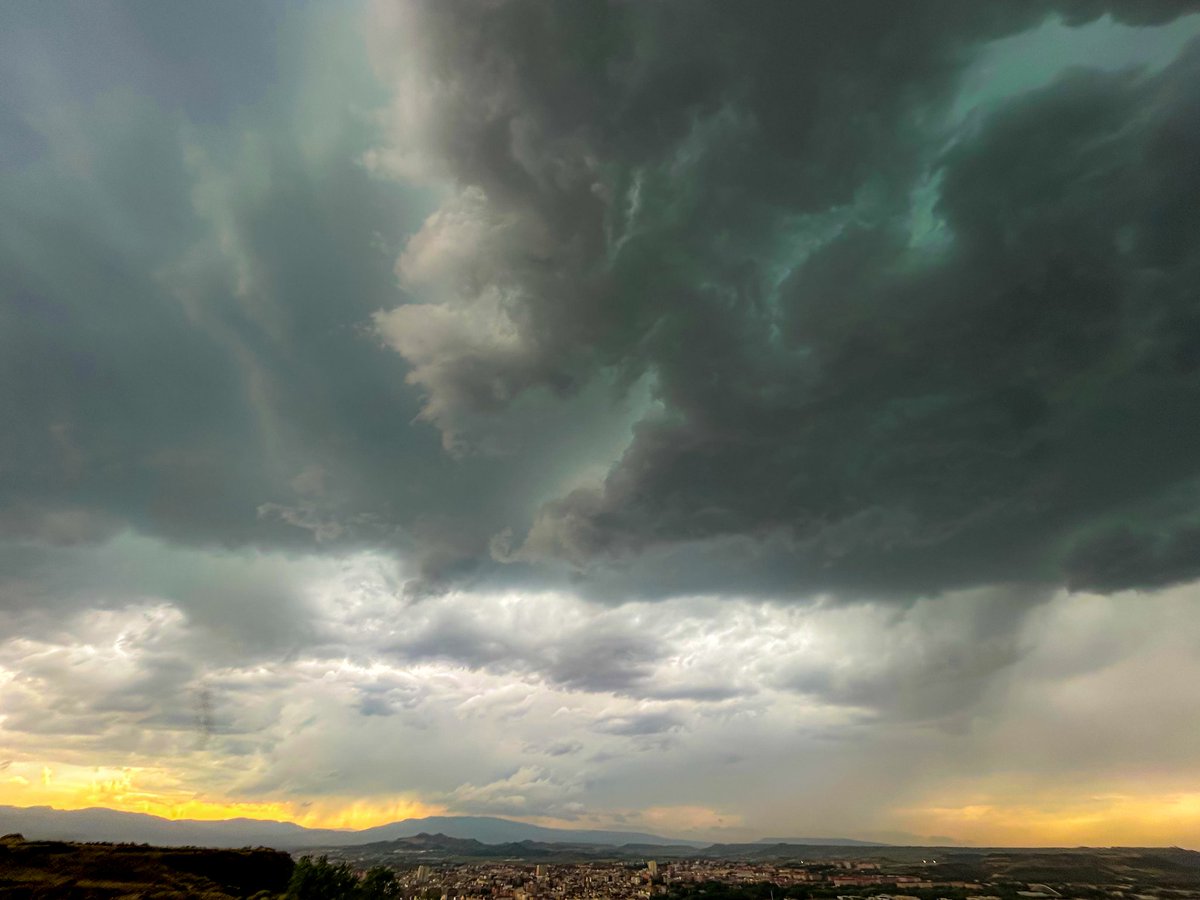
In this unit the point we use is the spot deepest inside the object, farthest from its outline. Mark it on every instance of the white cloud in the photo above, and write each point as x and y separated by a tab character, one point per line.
470	701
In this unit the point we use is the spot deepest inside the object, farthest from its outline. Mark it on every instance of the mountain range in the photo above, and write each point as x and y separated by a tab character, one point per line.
98	824
819	842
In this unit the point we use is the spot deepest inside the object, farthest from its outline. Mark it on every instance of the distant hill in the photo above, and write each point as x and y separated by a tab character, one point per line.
45	823
441	847
489	830
819	842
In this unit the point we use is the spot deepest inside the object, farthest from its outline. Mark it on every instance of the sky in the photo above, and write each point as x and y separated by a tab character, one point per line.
716	419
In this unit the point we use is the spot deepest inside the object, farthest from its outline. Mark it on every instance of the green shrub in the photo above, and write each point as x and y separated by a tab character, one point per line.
319	879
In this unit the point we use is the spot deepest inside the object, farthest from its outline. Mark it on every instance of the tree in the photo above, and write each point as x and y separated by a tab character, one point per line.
319	879
378	884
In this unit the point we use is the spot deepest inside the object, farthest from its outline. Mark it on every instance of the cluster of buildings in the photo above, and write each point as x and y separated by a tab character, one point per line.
521	881
516	879
625	881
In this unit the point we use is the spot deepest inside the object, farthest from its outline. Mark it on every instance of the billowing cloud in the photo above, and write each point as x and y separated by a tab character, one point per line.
897	341
854	716
672	316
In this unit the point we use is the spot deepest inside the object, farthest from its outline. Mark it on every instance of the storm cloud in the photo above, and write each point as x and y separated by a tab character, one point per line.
773	299
673	414
893	349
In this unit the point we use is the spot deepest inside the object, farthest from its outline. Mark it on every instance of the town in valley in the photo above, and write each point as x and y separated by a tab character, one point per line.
780	871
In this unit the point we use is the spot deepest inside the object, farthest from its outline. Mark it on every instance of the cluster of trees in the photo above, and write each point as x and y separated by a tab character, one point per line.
316	878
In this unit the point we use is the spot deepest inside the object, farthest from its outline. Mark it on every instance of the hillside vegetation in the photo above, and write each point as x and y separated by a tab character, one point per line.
47	870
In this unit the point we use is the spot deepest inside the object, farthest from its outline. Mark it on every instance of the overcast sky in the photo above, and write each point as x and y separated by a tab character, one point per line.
721	419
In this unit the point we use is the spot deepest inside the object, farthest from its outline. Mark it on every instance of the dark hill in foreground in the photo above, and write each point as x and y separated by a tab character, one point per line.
48	870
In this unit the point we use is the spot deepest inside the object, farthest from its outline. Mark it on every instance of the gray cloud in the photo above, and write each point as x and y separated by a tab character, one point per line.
527	791
845	697
639	724
936	662
563	748
907	417
850	350
606	654
507	420
1122	558
668	209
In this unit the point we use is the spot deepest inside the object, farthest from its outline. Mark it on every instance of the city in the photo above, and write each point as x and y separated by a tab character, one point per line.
1086	875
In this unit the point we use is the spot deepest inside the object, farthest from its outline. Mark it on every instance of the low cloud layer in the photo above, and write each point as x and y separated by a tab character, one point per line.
866	718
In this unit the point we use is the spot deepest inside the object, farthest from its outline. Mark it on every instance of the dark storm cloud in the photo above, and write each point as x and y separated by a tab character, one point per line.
711	201
186	269
1123	558
933	423
728	200
162	307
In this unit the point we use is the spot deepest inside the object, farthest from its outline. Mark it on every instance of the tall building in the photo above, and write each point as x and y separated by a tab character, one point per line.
422	873
652	868
540	871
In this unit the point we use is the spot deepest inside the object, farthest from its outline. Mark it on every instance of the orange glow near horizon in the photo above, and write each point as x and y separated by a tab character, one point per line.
1102	820
1097	821
154	792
